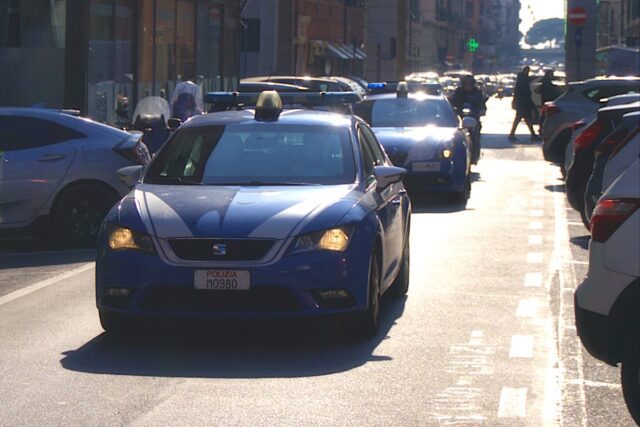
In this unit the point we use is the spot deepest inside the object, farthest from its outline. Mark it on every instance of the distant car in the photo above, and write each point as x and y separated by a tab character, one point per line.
422	134
244	86
584	153
258	213
58	172
607	302
579	100
623	134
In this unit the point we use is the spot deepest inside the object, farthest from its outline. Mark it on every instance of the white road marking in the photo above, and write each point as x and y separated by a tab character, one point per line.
521	346
536	212
513	403
533	280
43	284
535	240
537	202
577	224
527	308
535	225
590	383
535	257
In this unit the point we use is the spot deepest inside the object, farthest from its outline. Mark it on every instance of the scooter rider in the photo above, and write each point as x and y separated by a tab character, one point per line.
469	96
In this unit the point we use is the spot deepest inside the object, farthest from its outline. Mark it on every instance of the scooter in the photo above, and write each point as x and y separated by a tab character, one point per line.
151	117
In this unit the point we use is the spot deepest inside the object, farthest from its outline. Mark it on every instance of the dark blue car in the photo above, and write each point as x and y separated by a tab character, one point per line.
258	213
422	134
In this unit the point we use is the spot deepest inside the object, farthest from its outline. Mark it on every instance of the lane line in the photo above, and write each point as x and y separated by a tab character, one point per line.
521	347
589	383
513	403
533	280
43	284
535	240
536	213
535	225
535	258
527	308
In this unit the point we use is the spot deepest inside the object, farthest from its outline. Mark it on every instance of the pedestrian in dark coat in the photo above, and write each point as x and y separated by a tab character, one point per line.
523	104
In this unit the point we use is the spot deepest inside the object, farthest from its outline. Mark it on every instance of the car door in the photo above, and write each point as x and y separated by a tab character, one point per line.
35	156
389	207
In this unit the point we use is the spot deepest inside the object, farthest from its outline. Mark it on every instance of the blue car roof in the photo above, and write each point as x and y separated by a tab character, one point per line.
287	117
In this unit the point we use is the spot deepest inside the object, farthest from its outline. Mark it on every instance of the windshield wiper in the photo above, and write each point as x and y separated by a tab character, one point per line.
173	180
266	183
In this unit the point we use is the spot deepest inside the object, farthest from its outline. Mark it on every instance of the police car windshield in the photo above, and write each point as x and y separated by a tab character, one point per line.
407	112
262	154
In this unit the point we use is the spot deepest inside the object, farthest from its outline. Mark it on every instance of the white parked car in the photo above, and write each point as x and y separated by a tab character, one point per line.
607	302
58	172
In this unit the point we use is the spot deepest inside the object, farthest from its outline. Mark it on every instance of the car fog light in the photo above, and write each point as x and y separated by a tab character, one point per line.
333	294
117	292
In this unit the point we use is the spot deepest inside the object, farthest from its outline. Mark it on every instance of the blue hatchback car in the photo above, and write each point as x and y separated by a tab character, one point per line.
258	213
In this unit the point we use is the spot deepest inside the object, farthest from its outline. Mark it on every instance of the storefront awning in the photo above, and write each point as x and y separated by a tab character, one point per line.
343	51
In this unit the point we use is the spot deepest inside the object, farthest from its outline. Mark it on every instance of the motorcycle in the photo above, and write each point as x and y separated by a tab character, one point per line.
500	92
468	111
151	117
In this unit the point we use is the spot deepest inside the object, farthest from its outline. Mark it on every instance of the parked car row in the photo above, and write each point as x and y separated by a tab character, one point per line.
596	141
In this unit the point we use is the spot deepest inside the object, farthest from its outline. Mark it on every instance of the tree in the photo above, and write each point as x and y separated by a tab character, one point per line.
544	31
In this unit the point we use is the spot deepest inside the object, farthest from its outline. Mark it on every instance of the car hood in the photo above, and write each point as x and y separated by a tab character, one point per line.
417	143
238	212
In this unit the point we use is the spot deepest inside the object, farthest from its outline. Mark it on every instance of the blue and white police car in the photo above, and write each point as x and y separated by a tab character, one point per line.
421	133
264	212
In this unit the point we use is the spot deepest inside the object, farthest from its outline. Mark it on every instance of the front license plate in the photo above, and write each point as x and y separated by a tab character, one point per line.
426	167
222	280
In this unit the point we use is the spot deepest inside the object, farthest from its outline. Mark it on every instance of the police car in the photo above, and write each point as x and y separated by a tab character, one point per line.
421	133
264	212
607	302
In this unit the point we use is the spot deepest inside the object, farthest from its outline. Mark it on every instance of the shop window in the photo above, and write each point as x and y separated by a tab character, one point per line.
32	52
209	45
110	65
250	35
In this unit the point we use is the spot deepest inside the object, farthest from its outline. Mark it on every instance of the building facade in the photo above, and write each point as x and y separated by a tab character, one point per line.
102	56
303	37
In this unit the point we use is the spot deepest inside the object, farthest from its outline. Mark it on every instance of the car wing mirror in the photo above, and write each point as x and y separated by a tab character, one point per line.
387	175
174	123
130	175
469	123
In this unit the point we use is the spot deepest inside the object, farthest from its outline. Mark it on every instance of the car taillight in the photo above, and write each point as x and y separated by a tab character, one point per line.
578	125
550	109
611	142
136	152
588	135
622	144
609	215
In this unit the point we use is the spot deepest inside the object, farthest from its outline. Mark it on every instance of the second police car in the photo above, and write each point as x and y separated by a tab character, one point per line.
421	133
252	213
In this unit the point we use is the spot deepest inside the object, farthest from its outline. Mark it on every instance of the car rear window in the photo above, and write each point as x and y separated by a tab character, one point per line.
596	94
265	154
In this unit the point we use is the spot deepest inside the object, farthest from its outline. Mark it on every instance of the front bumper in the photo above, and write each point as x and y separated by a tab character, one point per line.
286	288
594	330
451	176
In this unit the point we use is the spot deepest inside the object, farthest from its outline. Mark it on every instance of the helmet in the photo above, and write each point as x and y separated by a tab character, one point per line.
468	78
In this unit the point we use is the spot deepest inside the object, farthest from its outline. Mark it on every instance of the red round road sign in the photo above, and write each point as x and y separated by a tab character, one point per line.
577	16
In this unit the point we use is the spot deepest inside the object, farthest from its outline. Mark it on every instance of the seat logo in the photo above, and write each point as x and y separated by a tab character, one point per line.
219	249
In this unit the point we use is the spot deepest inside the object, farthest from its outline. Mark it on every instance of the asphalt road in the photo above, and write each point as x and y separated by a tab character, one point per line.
485	336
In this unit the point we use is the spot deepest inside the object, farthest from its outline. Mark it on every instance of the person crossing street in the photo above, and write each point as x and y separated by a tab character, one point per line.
523	104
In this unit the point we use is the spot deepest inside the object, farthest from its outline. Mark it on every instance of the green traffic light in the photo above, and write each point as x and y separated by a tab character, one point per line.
473	45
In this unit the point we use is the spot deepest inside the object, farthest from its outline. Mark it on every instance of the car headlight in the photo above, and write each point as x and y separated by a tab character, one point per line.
121	238
335	240
447	153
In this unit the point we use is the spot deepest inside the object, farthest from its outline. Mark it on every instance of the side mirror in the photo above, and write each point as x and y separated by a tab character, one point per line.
130	175
174	123
469	123
387	175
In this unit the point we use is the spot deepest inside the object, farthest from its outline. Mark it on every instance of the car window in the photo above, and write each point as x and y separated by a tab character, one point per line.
374	146
596	94
23	133
406	112
368	159
269	154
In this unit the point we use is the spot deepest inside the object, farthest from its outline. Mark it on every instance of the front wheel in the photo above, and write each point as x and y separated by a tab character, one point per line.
630	376
365	325
117	325
400	285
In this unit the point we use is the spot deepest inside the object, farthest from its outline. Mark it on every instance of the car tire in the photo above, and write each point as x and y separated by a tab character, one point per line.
78	213
364	326
630	378
400	285
117	325
583	216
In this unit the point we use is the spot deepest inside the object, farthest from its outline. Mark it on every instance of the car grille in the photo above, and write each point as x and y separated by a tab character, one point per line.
174	298
235	249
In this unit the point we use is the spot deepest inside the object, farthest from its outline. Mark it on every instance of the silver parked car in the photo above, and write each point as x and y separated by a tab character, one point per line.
58	172
581	99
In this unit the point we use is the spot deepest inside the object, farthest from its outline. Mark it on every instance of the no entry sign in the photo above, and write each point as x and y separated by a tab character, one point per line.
577	16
